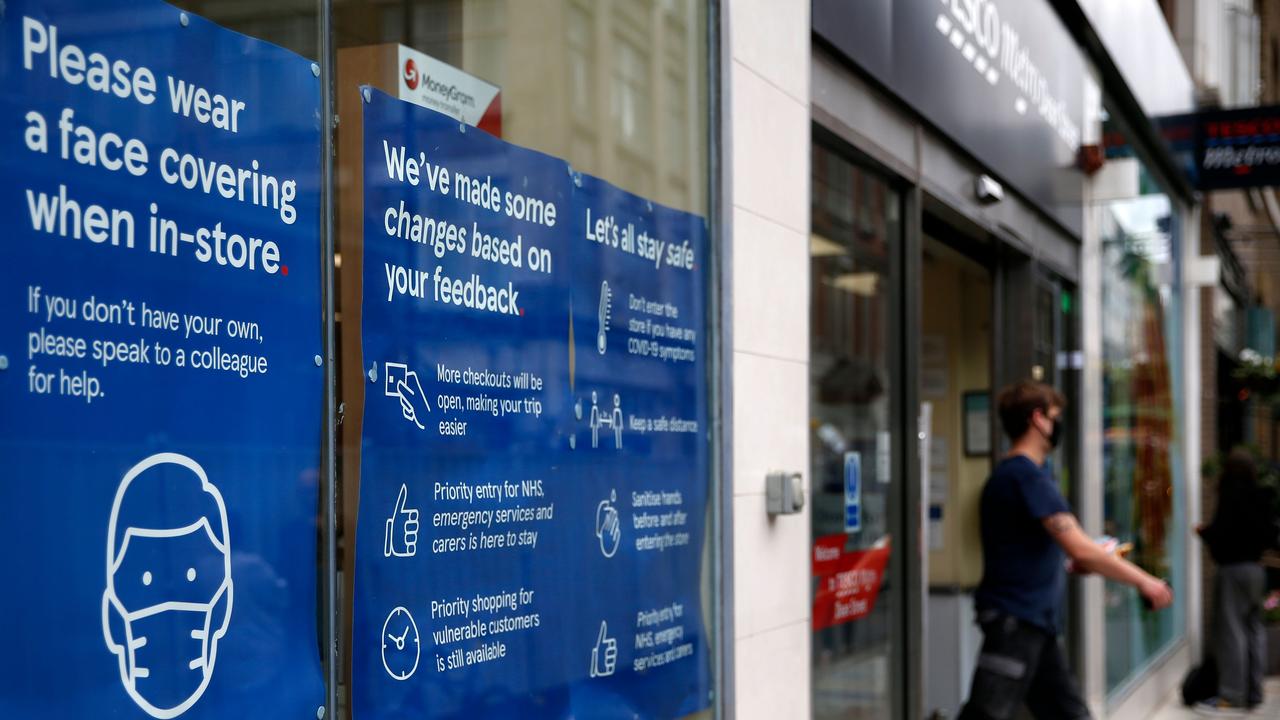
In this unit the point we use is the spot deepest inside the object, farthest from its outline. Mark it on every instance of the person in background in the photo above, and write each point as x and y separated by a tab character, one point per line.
1243	527
1028	533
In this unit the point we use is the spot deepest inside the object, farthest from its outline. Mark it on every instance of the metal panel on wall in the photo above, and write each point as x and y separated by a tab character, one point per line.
1005	80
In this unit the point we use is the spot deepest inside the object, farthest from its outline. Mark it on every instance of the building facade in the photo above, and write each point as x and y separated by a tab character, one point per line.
777	260
962	236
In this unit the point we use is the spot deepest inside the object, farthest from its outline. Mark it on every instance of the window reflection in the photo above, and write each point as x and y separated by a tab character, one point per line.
1141	461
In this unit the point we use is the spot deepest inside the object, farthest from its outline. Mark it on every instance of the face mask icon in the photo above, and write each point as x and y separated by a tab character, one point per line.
169	592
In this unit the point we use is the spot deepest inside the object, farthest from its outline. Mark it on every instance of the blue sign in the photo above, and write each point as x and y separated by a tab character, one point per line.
159	403
533	496
852	492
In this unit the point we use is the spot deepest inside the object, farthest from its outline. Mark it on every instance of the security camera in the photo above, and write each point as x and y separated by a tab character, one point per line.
988	190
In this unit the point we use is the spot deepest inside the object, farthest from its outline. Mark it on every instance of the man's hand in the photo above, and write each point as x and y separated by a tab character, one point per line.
1157	593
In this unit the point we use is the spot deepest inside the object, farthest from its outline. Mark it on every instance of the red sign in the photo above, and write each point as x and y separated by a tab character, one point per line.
848	582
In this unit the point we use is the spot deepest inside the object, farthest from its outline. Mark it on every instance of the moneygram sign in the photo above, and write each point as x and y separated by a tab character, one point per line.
1004	80
444	88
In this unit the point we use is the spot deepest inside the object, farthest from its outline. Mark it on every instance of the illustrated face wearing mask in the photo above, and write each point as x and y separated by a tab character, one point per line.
169	591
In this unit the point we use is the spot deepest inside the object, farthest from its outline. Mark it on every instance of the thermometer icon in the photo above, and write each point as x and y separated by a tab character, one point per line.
606	301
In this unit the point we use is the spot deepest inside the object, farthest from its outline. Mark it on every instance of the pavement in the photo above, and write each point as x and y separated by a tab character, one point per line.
1174	710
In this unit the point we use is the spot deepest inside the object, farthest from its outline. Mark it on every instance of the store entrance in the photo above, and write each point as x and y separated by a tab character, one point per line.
989	316
955	390
909	319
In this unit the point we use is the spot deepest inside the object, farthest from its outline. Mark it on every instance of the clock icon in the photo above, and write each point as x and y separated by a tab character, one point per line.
400	644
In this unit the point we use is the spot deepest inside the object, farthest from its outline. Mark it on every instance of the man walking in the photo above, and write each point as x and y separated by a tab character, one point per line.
1028	532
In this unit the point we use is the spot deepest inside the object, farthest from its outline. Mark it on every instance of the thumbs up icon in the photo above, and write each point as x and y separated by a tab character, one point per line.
604	656
401	538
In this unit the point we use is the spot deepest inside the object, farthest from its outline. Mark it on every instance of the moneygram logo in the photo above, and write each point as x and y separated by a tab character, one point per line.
411	76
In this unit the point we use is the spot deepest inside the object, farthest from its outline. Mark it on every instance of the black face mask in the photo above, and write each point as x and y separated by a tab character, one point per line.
1055	437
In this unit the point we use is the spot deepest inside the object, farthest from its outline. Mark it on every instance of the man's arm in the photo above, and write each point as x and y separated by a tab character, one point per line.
1086	554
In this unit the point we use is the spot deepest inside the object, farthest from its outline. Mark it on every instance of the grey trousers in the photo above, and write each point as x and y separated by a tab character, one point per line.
1240	640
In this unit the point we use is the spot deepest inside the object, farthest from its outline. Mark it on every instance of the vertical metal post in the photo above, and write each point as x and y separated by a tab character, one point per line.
1192	281
1091	620
720	313
1000	307
914	553
328	444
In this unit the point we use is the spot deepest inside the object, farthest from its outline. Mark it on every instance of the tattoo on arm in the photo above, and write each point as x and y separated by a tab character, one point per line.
1061	523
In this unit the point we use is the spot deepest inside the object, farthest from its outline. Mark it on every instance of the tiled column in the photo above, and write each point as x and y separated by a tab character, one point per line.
767	162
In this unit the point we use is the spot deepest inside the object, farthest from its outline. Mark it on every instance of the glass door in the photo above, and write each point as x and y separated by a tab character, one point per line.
858	599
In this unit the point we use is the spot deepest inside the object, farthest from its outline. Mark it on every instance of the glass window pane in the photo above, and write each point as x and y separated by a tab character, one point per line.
1142	462
290	24
856	596
618	91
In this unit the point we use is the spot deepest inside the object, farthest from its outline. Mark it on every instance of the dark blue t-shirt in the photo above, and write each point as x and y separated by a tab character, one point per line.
1024	573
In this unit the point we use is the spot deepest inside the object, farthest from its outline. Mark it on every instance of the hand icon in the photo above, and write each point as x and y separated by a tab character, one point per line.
608	527
604	656
405	542
406	403
403	384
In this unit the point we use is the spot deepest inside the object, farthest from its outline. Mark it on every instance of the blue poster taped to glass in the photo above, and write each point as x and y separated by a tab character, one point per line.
159	399
533	497
852	492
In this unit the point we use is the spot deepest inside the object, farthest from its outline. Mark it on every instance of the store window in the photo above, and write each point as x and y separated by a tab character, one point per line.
520	274
602	115
1143	473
